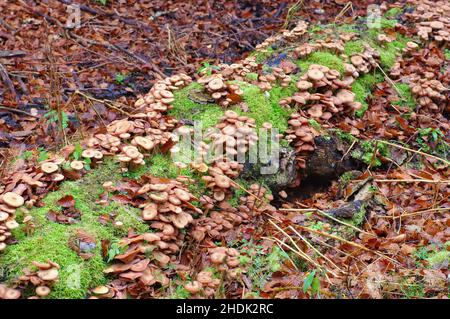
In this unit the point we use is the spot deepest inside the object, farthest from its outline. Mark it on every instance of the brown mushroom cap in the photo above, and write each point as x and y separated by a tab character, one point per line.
357	60
315	74
150	211
2	246
48	275
11	294
182	194
11	224
3	216
77	165
218	258
88	153
412	45
13	199
160	197
143	142
304	85
193	287
204	277
215	84
222	181
131	151
231	114
180	220
42	291
345	96
100	290
57	177
49	167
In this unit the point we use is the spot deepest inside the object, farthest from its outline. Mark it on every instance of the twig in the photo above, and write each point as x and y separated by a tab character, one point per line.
10	109
347	242
432	210
12	54
411	181
349	149
105	102
7	80
415	151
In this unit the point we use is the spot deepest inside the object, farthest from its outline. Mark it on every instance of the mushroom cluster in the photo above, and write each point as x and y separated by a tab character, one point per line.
9	202
223	223
167	208
428	86
234	135
43	278
366	61
238	71
204	285
278	74
335	99
298	33
224	94
432	19
305	49
135	267
301	136
428	91
160	97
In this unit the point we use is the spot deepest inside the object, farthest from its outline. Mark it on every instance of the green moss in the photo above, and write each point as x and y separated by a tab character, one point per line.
362	87
393	12
184	108
50	239
447	54
365	152
263	55
324	58
405	99
439	257
344	136
265	108
353	47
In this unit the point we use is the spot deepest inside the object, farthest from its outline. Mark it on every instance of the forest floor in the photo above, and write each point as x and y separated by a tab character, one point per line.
93	203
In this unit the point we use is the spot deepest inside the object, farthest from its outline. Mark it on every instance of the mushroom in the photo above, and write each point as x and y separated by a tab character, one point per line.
193	287
49	167
180	220
13	200
100	290
182	194
215	84
48	275
77	165
315	74
3	216
57	177
11	294
222	181
218	258
357	60
42	291
150	211
304	85
143	142
88	153
11	224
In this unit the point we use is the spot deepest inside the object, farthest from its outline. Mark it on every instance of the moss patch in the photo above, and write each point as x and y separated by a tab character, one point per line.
324	58
406	99
184	108
353	47
265	108
362	87
50	239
